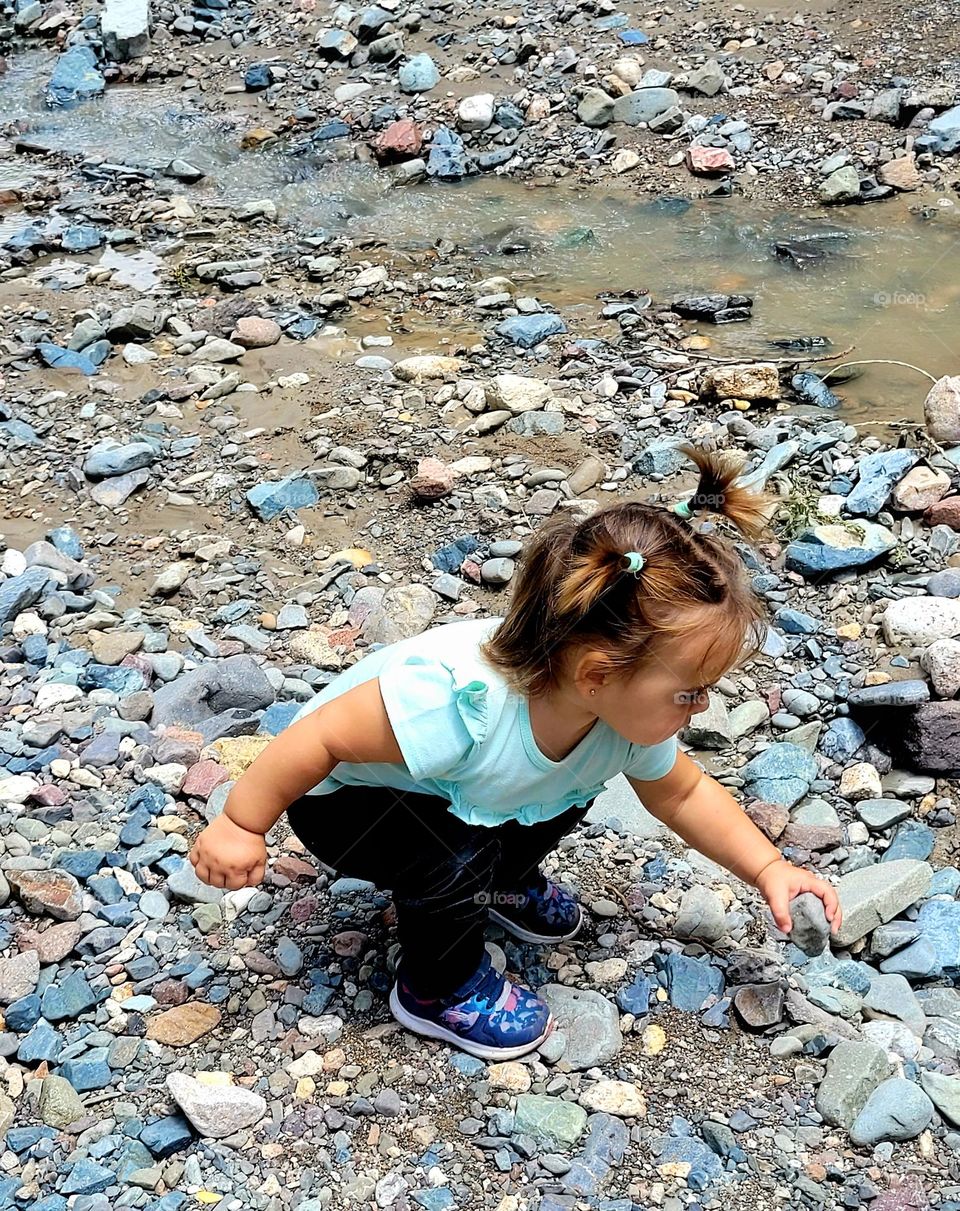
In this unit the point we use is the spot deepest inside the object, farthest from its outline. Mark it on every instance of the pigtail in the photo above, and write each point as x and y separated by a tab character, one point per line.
588	577
718	491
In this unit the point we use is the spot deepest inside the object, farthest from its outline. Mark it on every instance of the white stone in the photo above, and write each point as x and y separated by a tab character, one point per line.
860	781
125	26
921	620
629	69
17	788
426	366
941	409
475	113
614	1097
517	393
216	1111
170	777
14	562
136	355
942	661
625	160
52	694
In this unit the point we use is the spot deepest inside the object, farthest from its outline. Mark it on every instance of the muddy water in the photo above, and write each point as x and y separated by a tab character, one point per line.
883	279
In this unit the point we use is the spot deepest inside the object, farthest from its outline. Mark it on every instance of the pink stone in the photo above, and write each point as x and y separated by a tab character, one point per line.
433	480
707	161
294	868
303	909
256	332
52	893
401	140
770	818
945	513
203	778
910	1196
349	944
50	796
53	944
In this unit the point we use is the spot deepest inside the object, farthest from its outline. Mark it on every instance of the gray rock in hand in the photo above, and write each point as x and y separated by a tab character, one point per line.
811	929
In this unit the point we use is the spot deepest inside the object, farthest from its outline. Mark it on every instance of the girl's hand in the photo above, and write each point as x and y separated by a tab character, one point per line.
228	856
781	881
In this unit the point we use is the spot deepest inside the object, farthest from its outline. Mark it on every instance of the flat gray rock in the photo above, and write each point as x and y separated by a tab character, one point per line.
876	894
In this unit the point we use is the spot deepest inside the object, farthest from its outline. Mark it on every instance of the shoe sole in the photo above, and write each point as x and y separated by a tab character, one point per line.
432	1030
525	935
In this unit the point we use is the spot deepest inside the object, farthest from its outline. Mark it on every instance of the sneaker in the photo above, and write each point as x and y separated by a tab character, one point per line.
489	1017
542	912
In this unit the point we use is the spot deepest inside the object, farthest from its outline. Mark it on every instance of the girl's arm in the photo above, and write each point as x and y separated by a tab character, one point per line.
708	817
231	852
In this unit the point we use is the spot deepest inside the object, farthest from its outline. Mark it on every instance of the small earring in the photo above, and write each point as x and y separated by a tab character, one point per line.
592	692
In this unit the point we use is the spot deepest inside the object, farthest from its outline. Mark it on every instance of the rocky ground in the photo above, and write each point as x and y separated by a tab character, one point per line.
206	516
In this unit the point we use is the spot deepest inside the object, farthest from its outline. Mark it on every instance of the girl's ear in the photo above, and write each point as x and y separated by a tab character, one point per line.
591	672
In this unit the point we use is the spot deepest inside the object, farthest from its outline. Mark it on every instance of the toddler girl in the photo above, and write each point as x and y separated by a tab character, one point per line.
446	766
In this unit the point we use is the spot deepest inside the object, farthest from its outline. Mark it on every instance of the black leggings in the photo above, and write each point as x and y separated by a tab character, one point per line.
441	871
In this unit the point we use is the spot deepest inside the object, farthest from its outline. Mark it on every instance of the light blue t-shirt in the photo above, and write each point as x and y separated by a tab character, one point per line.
465	735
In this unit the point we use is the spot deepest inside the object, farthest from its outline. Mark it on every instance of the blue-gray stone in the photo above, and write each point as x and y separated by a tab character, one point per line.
419	74
450	557
816	552
605	1148
166	1135
795	622
58	358
526	331
939	924
75	77
918	961
18	593
879	473
891	693
19	1139
705	1165
87	1177
81	238
897	1109
23	1014
945	882
277	717
17	433
842	738
42	1043
780	774
91	1071
109	458
289	957
662	458
448	156
691	982
945	583
81	863
113	492
942	135
913	839
67	541
635	997
270	499
70	998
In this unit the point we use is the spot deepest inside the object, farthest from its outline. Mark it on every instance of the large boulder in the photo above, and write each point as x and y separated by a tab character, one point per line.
237	683
516	393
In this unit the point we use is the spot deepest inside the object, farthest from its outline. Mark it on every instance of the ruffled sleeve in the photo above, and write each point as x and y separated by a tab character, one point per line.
437	723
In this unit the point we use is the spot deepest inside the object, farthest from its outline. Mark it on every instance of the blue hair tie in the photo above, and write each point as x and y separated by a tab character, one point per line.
633	561
682	509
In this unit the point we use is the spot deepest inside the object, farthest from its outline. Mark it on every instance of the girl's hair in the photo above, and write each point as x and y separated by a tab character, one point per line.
572	587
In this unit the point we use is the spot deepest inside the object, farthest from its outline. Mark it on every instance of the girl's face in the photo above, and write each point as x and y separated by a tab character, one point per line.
660	699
